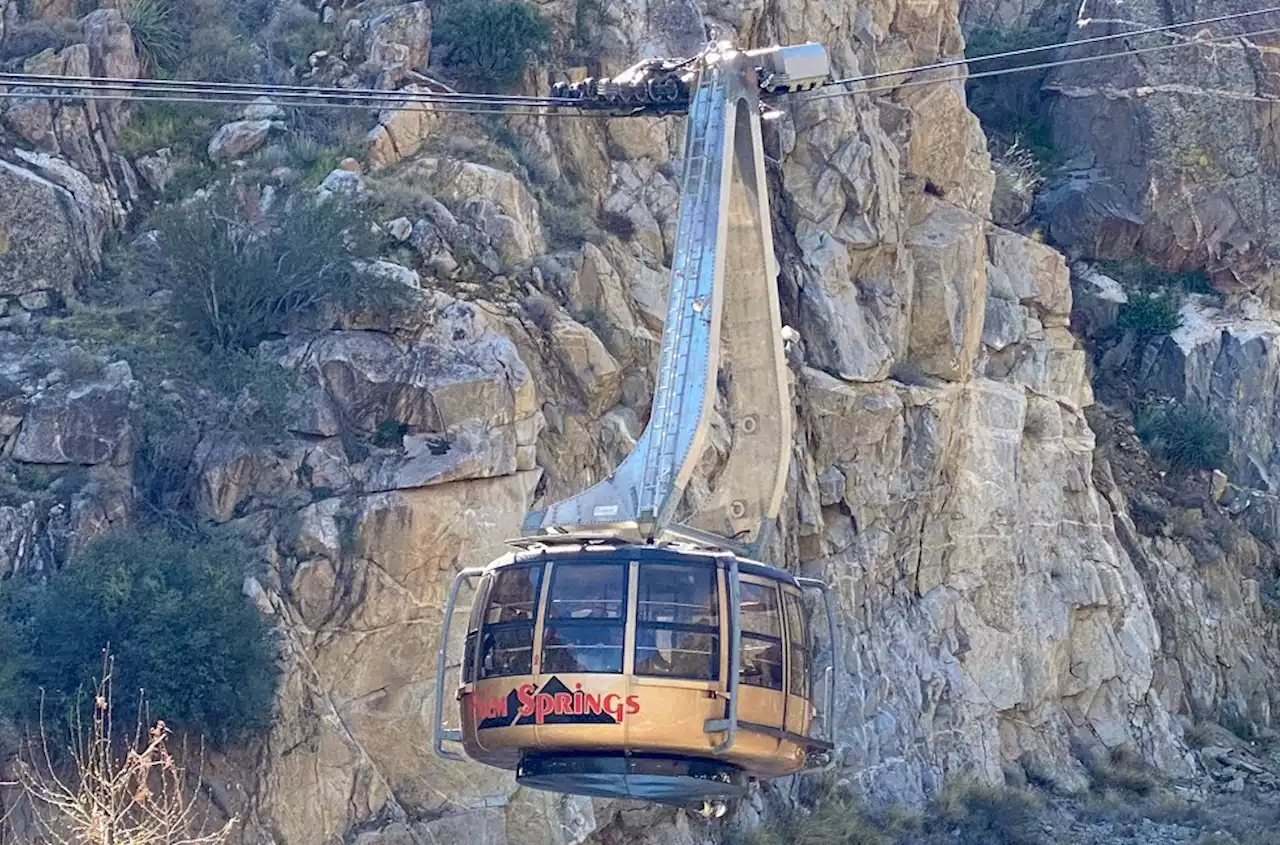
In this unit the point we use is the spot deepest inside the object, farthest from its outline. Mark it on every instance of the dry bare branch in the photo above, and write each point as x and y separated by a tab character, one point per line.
104	791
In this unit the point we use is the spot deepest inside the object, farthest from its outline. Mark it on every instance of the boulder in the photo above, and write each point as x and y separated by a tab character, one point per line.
230	473
470	450
240	138
459	182
50	238
82	424
1089	216
457	372
262	108
401	131
401	35
588	363
156	169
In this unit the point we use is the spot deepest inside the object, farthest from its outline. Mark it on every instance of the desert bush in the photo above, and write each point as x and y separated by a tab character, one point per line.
833	820
1149	314
295	35
987	815
174	615
618	223
1124	770
568	226
489	41
238	278
1188	438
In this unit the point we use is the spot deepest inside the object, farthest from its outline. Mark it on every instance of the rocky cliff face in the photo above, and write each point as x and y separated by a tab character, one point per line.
1003	611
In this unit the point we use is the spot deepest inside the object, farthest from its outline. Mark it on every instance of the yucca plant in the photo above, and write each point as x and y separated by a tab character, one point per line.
155	38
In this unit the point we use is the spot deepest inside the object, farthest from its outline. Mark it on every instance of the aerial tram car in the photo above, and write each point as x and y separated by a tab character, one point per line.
633	644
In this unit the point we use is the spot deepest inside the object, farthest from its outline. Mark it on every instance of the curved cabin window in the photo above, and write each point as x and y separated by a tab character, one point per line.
677	622
510	614
473	632
798	681
761	636
586	618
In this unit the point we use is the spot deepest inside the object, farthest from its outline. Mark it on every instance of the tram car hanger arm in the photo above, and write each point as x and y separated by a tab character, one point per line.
723	322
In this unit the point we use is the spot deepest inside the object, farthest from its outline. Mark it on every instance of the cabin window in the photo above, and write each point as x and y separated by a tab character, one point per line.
510	614
677	622
798	682
473	631
586	618
761	636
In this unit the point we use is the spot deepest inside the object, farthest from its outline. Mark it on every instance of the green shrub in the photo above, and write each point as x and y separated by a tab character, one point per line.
490	40
299	33
175	619
1149	315
1188	438
390	434
1136	272
1010	106
239	279
155	39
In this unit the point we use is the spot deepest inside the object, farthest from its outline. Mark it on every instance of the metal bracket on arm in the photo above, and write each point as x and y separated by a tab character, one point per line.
441	733
829	706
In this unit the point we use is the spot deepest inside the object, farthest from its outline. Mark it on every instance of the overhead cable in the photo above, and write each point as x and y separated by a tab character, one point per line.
1119	54
70	88
501	111
1008	54
258	88
274	92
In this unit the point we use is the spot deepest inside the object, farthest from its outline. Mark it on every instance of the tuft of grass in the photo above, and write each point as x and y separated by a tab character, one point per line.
1188	438
833	820
183	128
1124	770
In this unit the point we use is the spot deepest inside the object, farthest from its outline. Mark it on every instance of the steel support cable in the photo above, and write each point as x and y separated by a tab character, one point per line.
289	92
949	63
390	99
503	111
499	106
250	90
912	83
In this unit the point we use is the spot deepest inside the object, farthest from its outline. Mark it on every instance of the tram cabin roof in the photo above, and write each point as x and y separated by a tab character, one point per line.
620	551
